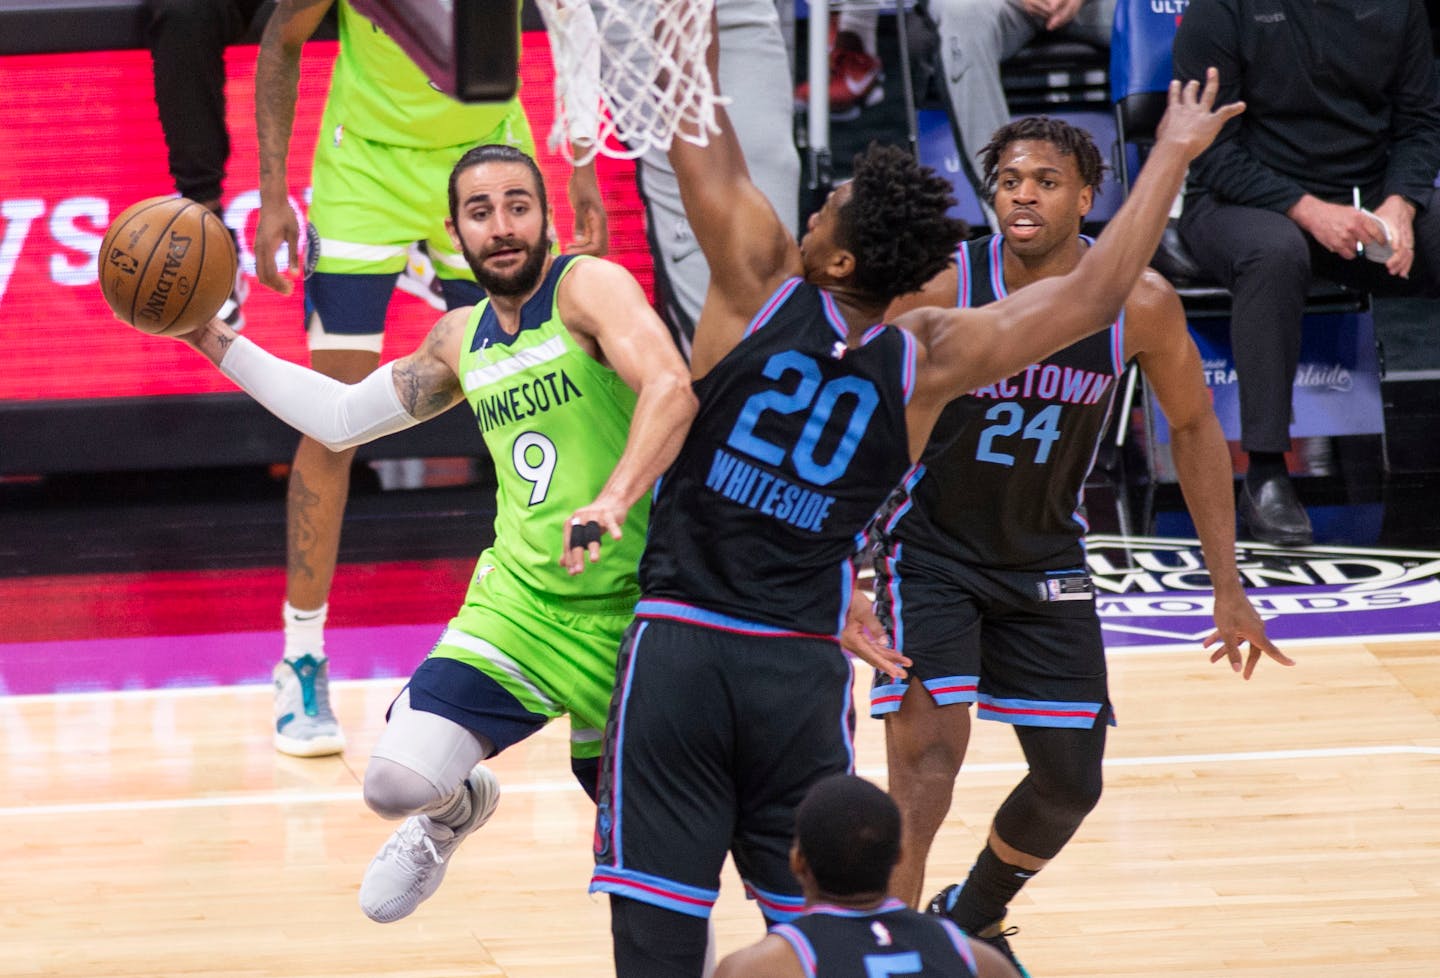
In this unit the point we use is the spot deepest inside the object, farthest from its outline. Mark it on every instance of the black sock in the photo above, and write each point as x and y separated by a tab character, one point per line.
1265	465
991	886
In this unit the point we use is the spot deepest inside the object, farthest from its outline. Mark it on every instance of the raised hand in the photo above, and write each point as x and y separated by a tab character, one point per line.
1191	121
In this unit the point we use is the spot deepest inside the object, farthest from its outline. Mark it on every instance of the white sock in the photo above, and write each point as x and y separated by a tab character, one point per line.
304	632
861	23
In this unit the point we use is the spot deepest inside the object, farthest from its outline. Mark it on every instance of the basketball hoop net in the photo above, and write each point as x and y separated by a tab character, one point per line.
630	75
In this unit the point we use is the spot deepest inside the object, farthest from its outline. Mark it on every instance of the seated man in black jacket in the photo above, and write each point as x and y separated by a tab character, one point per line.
1343	112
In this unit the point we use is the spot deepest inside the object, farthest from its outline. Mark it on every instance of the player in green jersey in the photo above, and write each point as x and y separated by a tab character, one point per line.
387	142
583	402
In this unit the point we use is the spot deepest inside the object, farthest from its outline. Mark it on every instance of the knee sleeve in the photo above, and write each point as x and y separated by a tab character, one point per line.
394	791
1062	787
651	942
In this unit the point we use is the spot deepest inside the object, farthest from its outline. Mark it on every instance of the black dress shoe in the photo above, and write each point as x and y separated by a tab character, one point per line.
1274	514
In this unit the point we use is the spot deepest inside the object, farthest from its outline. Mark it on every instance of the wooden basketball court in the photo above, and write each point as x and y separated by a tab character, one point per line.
1288	827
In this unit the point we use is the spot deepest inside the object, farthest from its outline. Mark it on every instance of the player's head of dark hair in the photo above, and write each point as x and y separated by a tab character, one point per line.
896	222
495	153
848	830
1071	141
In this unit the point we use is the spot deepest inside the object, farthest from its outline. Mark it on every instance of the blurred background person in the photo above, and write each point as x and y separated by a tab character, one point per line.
1342	112
187	41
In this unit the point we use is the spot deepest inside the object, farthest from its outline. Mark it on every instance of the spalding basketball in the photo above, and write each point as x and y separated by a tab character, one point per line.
167	265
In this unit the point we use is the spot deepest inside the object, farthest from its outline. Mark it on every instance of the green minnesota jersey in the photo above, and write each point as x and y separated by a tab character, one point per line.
378	93
555	421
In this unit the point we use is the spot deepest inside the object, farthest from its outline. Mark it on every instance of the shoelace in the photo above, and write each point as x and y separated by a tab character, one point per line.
323	710
313	684
412	838
998	942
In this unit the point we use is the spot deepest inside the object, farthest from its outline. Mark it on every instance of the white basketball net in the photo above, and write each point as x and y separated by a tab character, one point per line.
630	75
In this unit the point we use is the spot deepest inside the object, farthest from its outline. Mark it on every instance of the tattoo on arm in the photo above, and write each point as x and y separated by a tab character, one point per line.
426	387
276	86
425	380
211	343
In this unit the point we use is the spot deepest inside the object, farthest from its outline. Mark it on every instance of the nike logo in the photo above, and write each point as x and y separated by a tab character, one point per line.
858	86
957	59
1363	15
1276	18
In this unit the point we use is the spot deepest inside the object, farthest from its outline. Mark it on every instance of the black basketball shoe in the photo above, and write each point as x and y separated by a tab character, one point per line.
995	934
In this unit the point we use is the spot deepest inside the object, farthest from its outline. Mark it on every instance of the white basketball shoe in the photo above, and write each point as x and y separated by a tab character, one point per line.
305	726
409	868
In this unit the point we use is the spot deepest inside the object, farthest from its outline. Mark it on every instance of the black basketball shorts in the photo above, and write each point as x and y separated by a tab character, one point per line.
1023	645
716	731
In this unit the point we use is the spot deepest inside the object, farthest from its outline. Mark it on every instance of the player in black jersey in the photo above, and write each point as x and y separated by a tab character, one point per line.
981	576
847	839
732	693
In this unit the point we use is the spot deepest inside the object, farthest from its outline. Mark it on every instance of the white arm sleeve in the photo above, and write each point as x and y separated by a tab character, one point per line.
337	415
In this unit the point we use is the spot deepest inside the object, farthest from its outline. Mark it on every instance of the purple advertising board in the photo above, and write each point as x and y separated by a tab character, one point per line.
1337	382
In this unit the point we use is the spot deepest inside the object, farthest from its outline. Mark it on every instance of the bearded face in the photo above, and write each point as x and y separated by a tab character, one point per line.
501	227
511	266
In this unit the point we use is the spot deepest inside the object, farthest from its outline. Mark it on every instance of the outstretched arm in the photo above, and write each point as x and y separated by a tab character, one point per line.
747	247
396	396
1156	332
602	303
966	348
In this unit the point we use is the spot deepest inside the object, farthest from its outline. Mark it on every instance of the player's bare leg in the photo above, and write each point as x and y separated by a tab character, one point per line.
924	748
305	725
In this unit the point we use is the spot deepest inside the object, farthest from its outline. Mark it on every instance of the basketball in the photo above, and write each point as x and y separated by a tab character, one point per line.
167	265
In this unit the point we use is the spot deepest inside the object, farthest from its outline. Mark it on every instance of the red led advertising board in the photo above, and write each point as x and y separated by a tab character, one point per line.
81	141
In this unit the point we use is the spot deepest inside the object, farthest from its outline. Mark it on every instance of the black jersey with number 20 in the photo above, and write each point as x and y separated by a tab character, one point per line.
798	440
